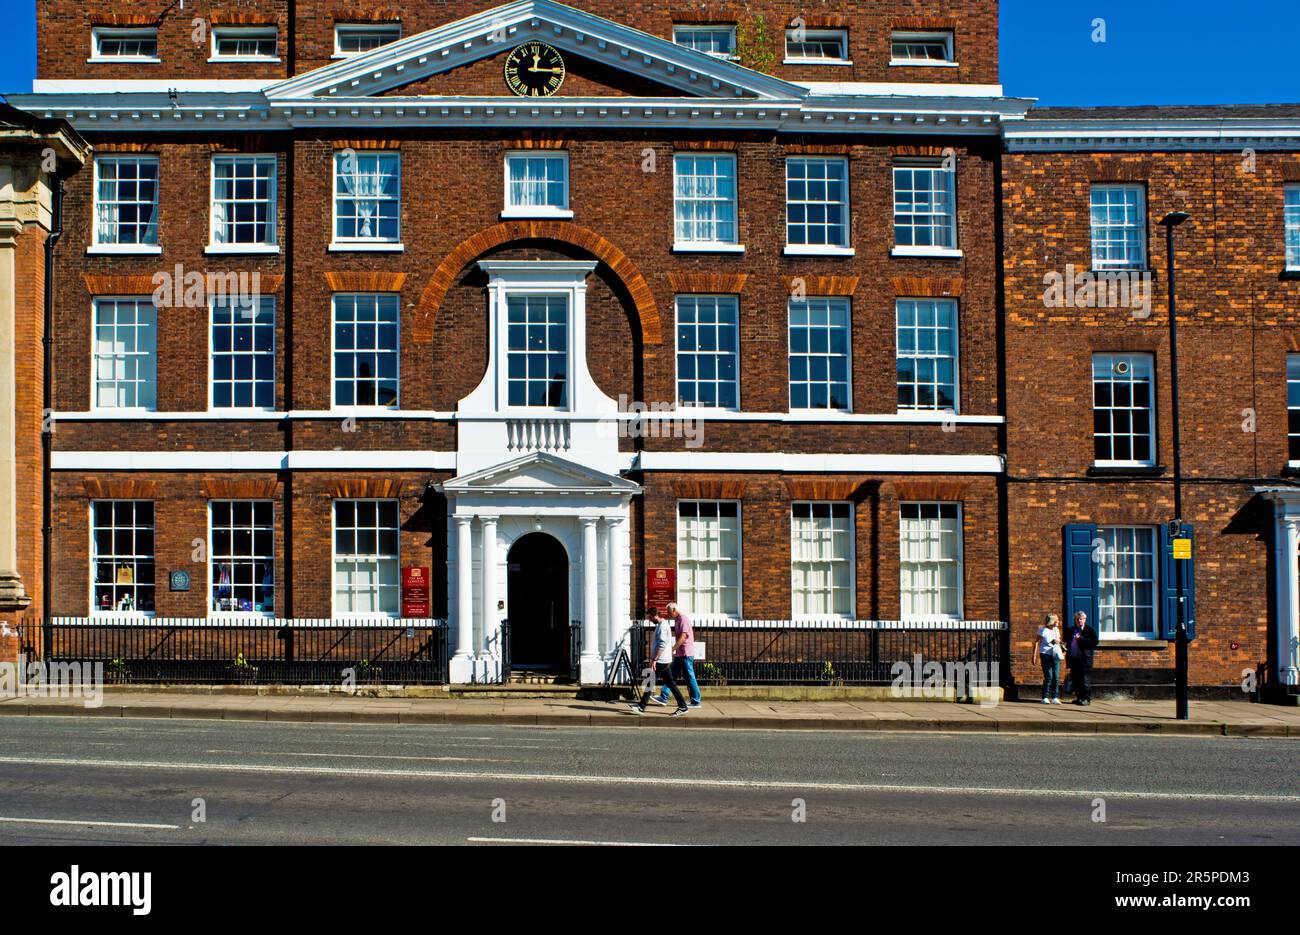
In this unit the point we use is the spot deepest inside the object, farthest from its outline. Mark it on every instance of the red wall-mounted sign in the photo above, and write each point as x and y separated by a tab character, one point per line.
415	591
660	587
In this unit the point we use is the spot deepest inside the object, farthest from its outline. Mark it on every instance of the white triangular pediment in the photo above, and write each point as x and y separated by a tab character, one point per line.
539	472
501	28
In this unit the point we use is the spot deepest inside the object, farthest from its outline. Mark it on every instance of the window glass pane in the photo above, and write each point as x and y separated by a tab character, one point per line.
704	200
714	40
1123	409
817	202
126	200
826	44
242	557
537	181
537	358
1118	227
821	550
367	196
366	350
125	354
925	205
927	354
352	40
367	577
122	557
1126	582
707	351
243	200
708	557
243	353
819	354
930	560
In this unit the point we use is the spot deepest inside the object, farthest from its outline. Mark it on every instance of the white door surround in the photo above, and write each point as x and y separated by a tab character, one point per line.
489	510
1286	583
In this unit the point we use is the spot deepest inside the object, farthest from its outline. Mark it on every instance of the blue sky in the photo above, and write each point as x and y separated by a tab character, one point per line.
1229	55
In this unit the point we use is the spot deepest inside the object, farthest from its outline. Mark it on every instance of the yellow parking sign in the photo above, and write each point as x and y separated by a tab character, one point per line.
1182	548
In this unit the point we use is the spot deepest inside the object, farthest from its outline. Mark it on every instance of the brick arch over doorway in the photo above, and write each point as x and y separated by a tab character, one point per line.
443	277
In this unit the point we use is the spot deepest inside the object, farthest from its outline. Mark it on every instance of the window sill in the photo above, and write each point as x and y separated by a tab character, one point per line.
1126	470
1110	270
908	63
1292	469
235	248
1132	642
125	412
817	61
113	249
686	247
365	246
829	414
517	214
1290	275
241	58
945	253
121	614
818	250
123	60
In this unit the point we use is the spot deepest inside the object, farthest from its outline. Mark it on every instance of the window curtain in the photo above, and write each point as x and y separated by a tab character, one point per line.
108	211
364	188
222	193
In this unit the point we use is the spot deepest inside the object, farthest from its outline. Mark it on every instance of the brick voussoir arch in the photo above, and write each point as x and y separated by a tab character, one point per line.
478	244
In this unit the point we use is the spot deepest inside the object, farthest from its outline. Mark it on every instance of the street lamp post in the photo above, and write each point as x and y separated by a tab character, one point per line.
1169	222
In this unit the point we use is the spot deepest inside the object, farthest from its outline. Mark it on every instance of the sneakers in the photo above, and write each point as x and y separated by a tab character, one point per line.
697	704
1056	701
680	712
657	700
1047	701
637	709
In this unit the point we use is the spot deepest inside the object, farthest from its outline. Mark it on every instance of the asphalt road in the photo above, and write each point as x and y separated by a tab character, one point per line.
75	780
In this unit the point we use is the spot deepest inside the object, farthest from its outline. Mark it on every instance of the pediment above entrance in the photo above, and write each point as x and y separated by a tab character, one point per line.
539	473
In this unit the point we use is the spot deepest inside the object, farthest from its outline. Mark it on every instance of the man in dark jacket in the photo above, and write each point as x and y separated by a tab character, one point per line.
1080	644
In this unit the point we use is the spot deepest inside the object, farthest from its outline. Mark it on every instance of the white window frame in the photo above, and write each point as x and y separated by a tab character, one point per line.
917	355
114	246
369	244
959	559
99	33
739	559
254	354
273	227
342	28
212	555
818	249
734	302
115	614
1129	357
817	35
511	210
689	245
244	32
850	559
942	169
527	380
1105	554
334	559
831	302
683	29
936	35
334	351
95	356
1132	263
1291	226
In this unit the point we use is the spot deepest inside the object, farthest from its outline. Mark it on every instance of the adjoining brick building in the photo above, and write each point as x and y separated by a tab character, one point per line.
1089	441
464	296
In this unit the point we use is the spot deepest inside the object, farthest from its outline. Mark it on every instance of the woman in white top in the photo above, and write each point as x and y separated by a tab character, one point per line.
1050	651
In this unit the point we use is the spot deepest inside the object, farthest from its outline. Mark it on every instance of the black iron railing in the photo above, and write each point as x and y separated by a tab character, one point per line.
839	652
240	651
575	649
505	651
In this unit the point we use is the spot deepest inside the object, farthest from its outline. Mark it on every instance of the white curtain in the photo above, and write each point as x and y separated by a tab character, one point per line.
107	217
364	188
222	191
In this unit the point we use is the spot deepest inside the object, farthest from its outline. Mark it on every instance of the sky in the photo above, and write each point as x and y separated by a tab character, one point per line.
1154	51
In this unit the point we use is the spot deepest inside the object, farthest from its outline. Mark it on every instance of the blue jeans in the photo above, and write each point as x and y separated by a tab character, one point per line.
683	671
1051	675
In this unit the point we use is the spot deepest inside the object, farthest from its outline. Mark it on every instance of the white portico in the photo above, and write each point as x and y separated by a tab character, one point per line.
1286	564
489	512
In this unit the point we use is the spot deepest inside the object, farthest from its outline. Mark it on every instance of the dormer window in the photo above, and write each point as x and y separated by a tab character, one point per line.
245	44
356	38
922	48
718	41
816	47
112	44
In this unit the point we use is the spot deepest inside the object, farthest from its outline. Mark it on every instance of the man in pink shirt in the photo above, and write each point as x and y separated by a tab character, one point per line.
683	655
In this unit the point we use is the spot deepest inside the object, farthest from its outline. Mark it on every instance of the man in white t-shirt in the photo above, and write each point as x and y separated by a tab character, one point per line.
661	653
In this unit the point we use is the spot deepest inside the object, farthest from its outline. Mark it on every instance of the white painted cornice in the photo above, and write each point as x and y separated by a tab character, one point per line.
1153	134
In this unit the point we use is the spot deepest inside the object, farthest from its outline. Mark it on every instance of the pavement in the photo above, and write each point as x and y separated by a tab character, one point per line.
1208	718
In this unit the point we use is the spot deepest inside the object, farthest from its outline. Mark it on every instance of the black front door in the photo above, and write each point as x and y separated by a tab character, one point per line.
537	585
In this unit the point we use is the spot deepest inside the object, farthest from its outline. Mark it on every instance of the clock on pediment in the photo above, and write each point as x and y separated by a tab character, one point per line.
534	69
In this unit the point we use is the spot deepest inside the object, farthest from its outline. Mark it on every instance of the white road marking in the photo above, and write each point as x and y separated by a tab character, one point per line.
365	756
564	841
644	780
85	824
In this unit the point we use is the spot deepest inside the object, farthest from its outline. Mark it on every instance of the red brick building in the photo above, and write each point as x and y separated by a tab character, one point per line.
1089	440
480	241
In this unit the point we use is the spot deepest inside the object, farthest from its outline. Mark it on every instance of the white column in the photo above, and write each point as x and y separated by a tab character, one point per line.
592	668
462	663
1288	617
12	593
615	558
491	621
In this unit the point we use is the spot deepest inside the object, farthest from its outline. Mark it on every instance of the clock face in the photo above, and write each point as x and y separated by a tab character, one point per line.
534	69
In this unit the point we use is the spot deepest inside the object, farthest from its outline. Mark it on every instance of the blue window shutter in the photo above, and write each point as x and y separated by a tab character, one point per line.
1169	586
1080	572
